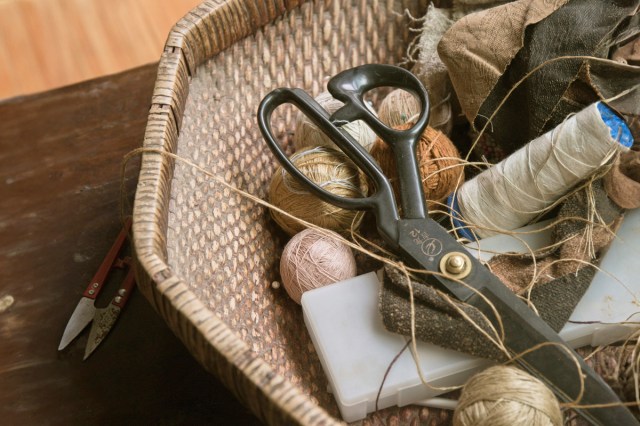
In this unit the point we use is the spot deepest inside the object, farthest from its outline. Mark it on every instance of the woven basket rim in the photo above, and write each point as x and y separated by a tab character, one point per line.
201	34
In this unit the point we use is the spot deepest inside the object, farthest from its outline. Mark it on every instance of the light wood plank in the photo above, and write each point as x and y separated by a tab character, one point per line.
50	43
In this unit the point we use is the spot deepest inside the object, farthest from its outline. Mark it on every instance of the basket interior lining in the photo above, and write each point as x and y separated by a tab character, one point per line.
225	247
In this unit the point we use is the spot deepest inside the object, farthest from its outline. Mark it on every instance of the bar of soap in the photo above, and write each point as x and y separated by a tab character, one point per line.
355	349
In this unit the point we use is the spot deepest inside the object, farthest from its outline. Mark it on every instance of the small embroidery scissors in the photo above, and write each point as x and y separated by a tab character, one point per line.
422	243
103	318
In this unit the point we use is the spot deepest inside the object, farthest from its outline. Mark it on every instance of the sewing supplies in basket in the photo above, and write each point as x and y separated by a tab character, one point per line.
535	177
595	307
425	244
312	259
317	156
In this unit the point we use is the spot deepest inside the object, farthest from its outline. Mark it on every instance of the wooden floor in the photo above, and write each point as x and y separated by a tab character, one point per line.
51	43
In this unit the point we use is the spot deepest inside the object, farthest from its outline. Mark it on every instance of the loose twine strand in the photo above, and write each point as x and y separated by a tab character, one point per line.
495	337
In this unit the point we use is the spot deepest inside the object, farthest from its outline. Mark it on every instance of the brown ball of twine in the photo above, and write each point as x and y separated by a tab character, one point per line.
438	159
506	396
333	171
398	107
313	259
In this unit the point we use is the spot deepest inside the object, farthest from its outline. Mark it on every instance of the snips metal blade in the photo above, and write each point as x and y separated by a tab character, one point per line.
81	317
105	318
85	309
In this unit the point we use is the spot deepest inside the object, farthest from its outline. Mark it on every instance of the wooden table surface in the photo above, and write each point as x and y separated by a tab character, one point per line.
60	158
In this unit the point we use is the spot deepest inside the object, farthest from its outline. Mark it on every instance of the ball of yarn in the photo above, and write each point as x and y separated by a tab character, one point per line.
313	259
307	134
438	159
328	168
398	107
506	396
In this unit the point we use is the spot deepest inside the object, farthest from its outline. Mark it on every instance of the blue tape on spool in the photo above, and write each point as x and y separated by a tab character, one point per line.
460	225
617	127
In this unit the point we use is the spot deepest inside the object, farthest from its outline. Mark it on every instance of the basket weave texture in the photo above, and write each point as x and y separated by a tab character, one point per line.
208	256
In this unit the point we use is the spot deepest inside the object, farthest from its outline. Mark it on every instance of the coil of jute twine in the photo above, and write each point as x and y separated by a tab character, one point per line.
506	396
333	171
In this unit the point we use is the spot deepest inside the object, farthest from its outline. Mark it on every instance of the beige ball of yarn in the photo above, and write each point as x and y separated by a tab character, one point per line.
328	168
506	396
439	161
398	107
313	259
307	134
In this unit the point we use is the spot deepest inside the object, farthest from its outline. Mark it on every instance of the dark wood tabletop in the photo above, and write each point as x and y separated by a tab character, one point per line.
60	189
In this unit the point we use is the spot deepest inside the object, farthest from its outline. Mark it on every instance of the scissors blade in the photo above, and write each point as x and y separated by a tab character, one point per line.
103	322
105	318
81	317
425	242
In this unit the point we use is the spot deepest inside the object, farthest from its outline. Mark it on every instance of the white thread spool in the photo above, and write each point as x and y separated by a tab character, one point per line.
519	188
308	135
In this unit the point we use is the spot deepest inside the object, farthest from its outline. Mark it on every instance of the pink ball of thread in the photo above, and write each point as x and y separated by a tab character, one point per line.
313	259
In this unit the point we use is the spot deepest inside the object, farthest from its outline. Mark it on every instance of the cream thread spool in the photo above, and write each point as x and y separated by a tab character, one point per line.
518	189
308	135
438	160
506	396
313	259
333	171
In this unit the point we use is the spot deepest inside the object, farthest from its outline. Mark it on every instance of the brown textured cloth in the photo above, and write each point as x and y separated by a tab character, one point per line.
622	183
436	320
487	53
555	294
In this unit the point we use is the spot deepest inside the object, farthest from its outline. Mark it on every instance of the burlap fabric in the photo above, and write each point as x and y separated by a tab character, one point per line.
487	53
622	183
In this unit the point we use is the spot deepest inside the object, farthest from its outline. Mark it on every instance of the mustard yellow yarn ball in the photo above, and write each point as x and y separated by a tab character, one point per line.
328	168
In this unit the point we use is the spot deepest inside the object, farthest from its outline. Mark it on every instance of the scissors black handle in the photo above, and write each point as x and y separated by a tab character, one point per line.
350	87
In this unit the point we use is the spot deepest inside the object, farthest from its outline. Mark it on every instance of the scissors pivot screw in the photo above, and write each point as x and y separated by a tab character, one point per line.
455	265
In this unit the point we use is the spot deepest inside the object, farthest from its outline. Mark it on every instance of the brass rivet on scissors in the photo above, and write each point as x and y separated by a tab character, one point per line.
455	265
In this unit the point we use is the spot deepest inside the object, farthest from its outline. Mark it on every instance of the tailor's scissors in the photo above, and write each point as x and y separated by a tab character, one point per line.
424	244
103	318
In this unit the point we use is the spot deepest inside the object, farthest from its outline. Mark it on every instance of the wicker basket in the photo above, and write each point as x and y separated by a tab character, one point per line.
208	255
